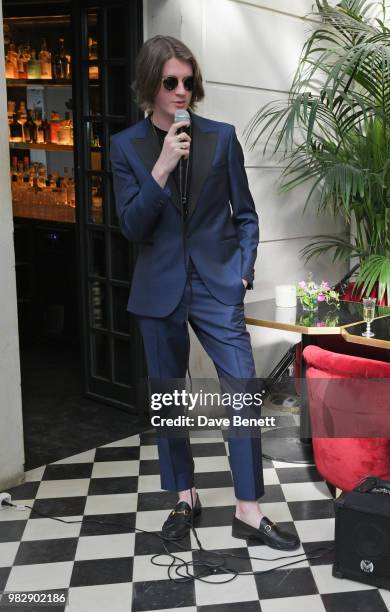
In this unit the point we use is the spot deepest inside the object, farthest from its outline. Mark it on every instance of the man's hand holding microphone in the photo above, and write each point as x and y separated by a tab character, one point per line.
176	146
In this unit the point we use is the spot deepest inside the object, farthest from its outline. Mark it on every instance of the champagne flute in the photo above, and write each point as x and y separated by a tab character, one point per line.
368	315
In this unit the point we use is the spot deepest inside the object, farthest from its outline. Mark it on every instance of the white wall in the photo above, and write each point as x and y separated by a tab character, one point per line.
11	423
248	52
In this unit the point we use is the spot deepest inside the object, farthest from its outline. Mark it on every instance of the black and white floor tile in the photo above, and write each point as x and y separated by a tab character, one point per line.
108	566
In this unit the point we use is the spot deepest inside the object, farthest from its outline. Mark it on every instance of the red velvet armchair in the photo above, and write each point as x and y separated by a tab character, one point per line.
344	461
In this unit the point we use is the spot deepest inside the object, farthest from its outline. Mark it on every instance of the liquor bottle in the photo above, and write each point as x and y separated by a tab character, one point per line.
40	131
30	129
12	62
14	165
26	55
60	62
34	67
22	66
63	194
14	176
10	110
7	37
36	114
69	66
93	71
16	130
22	112
9	68
26	169
42	176
55	125
71	193
45	126
63	133
45	59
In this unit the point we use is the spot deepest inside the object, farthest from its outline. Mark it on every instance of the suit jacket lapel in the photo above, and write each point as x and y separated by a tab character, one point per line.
203	151
148	149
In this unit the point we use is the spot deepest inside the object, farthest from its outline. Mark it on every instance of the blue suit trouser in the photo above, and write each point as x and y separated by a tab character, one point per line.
222	332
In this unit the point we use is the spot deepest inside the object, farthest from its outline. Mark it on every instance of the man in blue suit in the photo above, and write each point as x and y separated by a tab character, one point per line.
183	196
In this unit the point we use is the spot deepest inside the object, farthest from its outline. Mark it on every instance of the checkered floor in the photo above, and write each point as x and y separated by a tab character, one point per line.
107	567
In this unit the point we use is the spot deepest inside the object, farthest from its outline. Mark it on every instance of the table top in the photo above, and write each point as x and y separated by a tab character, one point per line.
327	320
380	327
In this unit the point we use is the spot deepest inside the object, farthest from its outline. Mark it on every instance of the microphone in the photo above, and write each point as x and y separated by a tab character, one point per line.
182	115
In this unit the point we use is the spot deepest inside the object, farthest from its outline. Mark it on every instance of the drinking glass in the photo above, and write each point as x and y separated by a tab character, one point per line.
368	315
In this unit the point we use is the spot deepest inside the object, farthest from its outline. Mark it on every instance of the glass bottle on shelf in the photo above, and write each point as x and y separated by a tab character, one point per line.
63	133
14	178
63	193
33	172
45	126
93	71
45	60
69	66
34	67
36	114
26	169
15	130
55	125
14	165
60	62
30	129
42	176
10	110
40	131
11	68
22	65
22	112
7	37
27	53
71	194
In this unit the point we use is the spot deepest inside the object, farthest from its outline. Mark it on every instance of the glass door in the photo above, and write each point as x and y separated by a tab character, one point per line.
107	36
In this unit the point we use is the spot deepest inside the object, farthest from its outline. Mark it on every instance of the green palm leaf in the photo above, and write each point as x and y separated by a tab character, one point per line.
333	131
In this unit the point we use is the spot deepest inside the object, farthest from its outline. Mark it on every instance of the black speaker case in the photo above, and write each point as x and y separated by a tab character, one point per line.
350	508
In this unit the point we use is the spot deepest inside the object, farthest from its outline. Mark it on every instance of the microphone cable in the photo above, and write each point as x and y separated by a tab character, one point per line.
205	567
184	218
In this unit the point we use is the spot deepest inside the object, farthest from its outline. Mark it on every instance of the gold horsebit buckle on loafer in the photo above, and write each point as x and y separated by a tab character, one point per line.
185	512
268	528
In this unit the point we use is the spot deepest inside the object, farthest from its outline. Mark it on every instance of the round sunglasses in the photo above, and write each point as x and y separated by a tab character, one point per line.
171	82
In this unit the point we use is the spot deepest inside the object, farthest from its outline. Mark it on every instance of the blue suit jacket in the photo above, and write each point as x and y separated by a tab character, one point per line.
221	232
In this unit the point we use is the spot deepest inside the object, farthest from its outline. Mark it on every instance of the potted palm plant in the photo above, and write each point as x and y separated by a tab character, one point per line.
334	132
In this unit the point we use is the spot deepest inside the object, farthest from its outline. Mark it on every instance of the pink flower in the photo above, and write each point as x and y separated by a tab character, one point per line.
321	297
302	284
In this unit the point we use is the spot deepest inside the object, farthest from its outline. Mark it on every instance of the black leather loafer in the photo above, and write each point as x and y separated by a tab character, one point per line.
179	520
267	533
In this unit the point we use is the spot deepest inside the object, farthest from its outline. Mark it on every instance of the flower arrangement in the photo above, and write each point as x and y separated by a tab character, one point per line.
310	294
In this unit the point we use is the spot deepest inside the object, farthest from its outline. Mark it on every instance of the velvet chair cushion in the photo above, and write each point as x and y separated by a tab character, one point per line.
344	461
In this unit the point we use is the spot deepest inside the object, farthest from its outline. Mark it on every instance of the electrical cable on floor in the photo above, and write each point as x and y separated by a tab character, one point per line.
206	568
